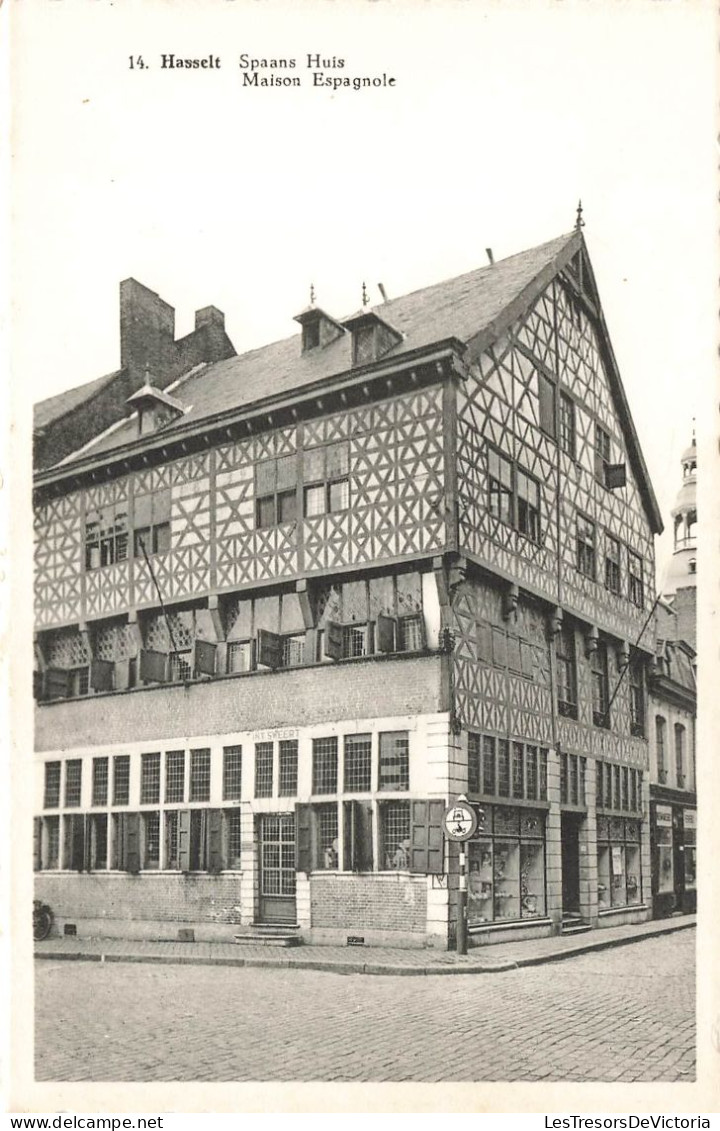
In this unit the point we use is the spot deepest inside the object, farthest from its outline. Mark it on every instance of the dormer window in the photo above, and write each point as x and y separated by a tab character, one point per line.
318	328
155	409
372	337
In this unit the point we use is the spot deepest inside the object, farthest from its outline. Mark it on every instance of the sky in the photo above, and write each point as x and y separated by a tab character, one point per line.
501	117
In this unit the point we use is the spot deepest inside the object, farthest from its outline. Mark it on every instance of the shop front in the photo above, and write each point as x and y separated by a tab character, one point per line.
506	867
674	861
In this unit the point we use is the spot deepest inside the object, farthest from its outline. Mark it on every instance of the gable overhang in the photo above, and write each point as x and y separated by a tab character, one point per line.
524	300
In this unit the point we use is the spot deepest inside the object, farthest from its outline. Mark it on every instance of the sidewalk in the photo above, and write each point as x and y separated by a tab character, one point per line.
358	960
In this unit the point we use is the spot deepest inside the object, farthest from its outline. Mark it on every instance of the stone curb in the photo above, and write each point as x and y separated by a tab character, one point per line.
378	968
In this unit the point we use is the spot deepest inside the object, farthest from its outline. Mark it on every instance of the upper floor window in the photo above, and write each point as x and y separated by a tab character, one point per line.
326	476
528	506
73	783
513	495
661	747
680	755
394	768
106	541
151	523
567	425
566	673
612	564
500	486
585	546
600	686
276	491
602	453
636	591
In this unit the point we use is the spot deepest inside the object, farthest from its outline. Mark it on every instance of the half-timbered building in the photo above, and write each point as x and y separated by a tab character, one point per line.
290	605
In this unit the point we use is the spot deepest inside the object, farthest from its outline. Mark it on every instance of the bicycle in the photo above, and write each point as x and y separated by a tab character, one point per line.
43	920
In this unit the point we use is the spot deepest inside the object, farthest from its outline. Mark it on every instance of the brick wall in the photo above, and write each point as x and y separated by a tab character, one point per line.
168	898
359	903
370	688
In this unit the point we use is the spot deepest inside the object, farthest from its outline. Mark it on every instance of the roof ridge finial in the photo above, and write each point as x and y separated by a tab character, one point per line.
364	297
579	222
312	294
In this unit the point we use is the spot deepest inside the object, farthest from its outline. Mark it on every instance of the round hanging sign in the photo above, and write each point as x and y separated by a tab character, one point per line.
459	821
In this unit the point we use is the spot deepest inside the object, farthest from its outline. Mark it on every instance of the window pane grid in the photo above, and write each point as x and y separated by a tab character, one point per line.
73	782
150	779
288	768
100	781
354	640
326	817
52	785
325	765
357	763
233	825
175	775
200	775
395	822
232	773
394	761
474	763
264	769
121	779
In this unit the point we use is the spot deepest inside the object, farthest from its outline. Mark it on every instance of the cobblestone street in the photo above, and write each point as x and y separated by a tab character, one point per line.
623	1014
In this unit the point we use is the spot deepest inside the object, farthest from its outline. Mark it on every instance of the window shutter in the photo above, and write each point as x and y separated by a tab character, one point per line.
526	659
333	640
153	666
132	842
142	511
161	506
102	673
37	843
499	648
205	654
269	648
426	837
513	653
303	838
615	475
385	632
363	848
358	836
216	861
547	404
77	842
57	683
38	686
484	643
183	840
87	847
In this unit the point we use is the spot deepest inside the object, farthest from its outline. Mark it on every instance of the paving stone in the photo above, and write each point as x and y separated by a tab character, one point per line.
598	1017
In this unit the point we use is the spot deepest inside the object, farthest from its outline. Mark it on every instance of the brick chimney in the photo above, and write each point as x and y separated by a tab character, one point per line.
147	334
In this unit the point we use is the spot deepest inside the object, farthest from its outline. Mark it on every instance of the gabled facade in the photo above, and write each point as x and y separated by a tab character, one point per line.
396	558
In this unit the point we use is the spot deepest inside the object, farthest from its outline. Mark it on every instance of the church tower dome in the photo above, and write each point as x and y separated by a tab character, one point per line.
682	570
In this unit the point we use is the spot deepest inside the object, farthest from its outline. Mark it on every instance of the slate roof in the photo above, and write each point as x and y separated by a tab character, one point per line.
457	308
477	305
53	408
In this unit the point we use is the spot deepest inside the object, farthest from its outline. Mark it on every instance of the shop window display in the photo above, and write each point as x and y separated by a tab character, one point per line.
506	862
618	862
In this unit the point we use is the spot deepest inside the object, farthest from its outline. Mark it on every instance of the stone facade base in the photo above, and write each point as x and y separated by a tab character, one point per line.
622	916
516	932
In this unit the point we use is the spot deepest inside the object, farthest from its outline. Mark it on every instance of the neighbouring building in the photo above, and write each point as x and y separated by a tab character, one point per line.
292	604
672	714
